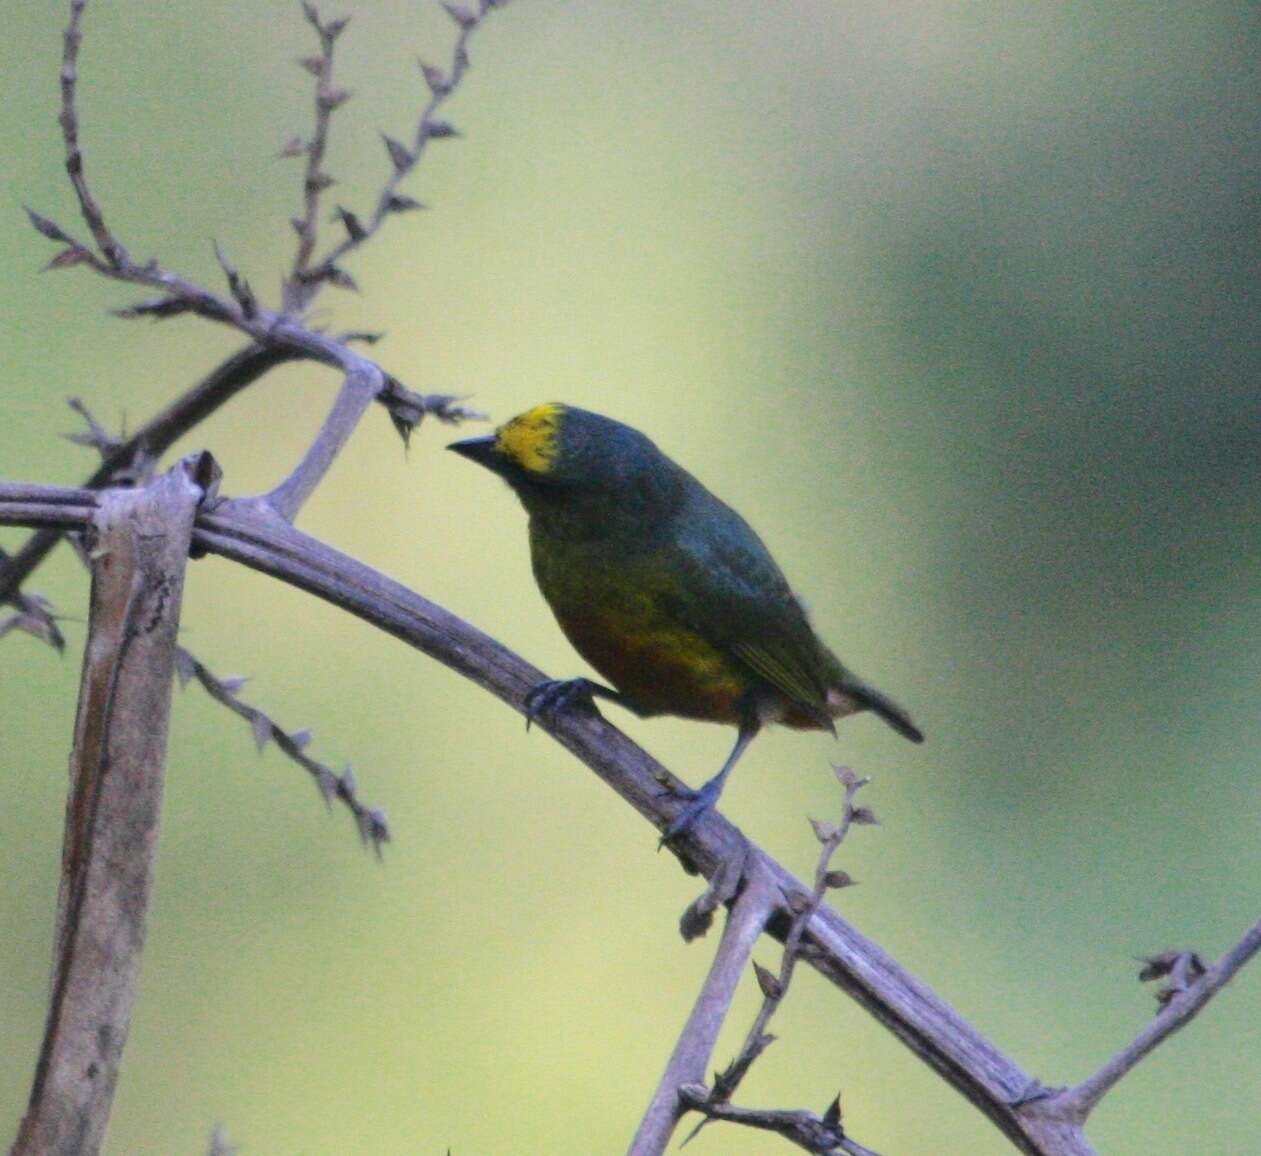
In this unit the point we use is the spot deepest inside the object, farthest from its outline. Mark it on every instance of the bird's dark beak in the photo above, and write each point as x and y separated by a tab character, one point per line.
480	450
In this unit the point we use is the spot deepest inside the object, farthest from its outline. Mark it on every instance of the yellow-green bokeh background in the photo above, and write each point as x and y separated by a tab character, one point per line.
956	302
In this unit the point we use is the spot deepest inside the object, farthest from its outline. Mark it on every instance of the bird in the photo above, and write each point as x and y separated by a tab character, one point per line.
665	590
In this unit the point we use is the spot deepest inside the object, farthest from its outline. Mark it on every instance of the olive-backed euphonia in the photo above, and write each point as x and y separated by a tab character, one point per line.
664	589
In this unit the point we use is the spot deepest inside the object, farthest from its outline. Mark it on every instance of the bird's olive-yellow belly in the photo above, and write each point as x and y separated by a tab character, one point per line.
660	666
617	615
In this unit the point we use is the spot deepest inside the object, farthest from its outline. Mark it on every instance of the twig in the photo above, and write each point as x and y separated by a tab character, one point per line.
34	616
928	1026
403	158
745	923
185	413
405	407
775	987
363	379
141	541
327	99
370	821
1176	1011
818	1134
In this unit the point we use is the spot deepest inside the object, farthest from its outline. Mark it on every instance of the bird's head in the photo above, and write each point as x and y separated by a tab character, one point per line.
556	445
574	466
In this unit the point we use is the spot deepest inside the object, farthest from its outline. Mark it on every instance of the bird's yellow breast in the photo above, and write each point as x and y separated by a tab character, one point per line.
620	620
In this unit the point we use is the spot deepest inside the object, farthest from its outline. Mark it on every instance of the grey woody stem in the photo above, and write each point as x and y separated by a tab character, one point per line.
140	543
364	381
1040	1125
746	920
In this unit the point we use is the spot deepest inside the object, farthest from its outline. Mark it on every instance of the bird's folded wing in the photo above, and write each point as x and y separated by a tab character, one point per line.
732	593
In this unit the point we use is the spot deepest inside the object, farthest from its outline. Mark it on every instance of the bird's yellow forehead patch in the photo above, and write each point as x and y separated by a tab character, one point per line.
531	439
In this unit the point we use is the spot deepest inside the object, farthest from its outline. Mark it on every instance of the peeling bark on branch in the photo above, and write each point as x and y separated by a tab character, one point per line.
140	541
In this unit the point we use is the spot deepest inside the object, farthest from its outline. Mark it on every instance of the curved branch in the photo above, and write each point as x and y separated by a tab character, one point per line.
151	440
1050	1125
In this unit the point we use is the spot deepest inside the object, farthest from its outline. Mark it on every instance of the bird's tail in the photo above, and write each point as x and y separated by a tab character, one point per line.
868	698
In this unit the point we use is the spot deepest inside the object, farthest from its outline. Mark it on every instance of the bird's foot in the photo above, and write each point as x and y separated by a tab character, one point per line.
558	694
696	804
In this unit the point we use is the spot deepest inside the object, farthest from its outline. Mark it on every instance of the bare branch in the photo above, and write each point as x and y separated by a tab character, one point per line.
72	38
831	836
804	1129
315	180
745	923
916	1015
369	821
141	542
34	617
404	158
1177	1010
774	987
364	382
155	437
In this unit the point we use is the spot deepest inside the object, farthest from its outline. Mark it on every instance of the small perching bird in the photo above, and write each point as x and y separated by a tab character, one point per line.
665	589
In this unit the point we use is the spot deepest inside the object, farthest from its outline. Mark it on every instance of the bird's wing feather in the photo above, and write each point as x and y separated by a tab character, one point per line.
732	593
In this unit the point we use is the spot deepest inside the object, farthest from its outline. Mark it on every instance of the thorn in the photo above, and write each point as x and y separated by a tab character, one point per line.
464	17
313	64
261	726
49	229
438	81
354	227
402	203
439	130
335	275
67	257
332	98
185	666
156	307
832	1117
824	832
295	146
768	981
401	158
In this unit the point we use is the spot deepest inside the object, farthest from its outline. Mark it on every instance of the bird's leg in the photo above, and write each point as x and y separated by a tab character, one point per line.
557	694
698	802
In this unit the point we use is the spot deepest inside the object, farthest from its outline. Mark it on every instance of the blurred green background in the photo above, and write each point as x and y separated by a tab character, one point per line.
955	302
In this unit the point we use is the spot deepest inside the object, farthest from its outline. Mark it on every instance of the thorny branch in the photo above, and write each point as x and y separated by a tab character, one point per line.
802	1125
327	99
229	378
370	821
804	1129
1045	1124
185	413
403	157
746	922
363	379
